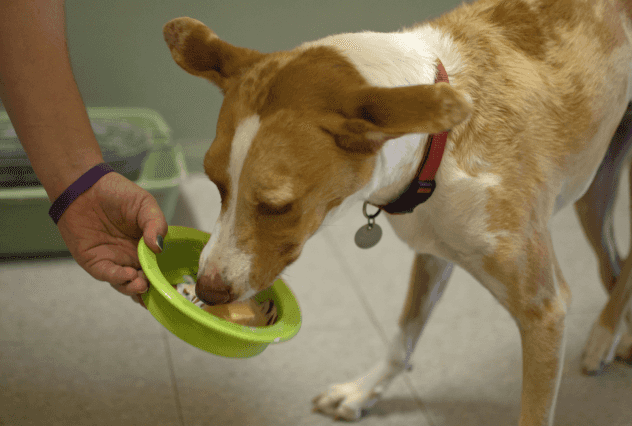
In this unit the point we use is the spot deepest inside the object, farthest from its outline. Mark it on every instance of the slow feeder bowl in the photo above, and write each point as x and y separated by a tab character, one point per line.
182	248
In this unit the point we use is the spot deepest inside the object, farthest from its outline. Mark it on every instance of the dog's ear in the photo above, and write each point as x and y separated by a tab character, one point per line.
373	115
198	50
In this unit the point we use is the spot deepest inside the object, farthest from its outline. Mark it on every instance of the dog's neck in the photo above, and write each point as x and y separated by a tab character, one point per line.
391	60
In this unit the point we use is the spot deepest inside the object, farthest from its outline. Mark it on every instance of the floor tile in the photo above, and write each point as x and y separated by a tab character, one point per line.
55	299
591	400
123	382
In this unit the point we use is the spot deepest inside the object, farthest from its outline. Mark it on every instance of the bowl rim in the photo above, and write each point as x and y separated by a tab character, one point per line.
289	317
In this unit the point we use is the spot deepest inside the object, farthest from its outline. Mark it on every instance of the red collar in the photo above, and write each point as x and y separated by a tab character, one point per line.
422	188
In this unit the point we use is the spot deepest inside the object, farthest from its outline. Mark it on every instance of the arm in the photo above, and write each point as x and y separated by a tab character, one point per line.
39	92
101	228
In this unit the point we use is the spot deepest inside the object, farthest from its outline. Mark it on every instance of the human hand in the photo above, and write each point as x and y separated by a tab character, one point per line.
102	228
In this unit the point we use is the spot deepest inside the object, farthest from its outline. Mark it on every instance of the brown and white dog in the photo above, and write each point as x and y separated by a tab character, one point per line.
536	91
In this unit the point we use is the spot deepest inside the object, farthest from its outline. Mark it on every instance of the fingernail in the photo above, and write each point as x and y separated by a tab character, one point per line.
160	241
142	275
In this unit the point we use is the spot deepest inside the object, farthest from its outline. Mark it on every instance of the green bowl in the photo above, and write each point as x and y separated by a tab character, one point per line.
182	249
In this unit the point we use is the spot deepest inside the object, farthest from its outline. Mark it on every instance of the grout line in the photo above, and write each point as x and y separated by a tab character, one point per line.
420	403
346	267
172	374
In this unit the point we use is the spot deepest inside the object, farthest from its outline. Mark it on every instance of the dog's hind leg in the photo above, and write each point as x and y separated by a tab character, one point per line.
595	212
609	335
624	349
596	205
347	400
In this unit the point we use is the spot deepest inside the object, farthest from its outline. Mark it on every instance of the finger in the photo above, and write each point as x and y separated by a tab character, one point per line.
114	264
143	277
138	299
153	223
113	273
136	286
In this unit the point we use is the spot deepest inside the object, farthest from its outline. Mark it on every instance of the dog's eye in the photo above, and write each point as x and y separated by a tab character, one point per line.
266	209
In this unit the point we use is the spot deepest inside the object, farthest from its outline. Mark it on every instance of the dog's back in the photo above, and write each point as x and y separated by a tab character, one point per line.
550	80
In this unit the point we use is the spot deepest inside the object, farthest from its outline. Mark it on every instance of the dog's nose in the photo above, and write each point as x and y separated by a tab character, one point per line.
212	290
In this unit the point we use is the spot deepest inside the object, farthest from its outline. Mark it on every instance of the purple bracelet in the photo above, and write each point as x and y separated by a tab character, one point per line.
80	186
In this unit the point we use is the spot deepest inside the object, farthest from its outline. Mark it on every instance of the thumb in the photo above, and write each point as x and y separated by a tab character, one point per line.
153	223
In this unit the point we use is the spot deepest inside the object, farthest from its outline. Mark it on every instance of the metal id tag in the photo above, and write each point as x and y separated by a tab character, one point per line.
368	235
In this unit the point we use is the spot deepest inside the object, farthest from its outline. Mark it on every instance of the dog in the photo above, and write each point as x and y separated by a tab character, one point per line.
506	107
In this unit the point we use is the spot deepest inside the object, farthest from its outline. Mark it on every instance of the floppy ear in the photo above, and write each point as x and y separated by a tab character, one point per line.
198	50
373	115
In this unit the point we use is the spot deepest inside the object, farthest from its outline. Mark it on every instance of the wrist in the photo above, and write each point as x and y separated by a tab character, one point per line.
78	187
59	177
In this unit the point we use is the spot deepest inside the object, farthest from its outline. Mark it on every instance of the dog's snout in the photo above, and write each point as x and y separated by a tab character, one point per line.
212	290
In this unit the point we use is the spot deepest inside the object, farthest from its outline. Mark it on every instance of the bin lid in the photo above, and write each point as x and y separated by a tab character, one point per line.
121	133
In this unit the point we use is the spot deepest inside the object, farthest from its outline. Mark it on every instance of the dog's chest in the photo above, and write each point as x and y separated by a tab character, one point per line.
453	223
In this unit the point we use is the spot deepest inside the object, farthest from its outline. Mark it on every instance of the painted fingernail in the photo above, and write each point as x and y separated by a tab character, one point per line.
160	241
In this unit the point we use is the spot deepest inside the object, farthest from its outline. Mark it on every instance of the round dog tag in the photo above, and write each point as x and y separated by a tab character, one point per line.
368	236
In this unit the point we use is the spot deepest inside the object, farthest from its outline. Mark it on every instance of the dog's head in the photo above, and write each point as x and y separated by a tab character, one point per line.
297	133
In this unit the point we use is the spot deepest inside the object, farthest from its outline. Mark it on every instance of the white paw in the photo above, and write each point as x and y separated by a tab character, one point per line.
345	401
599	350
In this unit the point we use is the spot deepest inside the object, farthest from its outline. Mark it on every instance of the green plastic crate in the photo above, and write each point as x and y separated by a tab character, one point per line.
25	227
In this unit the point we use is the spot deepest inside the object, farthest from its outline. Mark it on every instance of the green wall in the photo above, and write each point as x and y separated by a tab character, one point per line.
120	58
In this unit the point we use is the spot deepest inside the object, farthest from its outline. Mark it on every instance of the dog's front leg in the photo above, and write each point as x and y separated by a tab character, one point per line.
526	278
542	359
347	400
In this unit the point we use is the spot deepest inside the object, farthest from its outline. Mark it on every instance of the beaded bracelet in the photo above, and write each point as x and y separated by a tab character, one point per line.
81	185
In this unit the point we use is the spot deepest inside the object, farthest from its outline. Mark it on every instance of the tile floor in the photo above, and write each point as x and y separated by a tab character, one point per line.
75	352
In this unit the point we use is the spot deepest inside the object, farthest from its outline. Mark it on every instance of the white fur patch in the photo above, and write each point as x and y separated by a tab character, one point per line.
386	59
221	250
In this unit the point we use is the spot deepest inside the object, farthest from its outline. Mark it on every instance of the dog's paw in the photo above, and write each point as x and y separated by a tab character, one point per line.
599	350
624	349
345	401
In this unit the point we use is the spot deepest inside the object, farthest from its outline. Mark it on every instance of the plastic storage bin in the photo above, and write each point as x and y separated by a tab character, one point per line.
152	162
